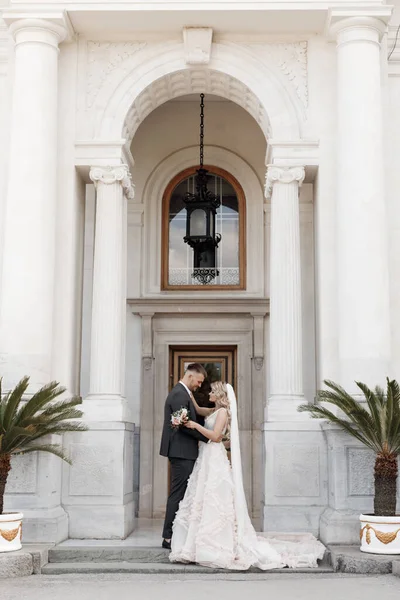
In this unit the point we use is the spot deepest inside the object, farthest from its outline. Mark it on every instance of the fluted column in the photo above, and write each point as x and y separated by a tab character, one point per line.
363	292
285	355
107	357
27	286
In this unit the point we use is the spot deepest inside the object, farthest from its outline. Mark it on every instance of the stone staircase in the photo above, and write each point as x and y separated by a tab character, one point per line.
65	559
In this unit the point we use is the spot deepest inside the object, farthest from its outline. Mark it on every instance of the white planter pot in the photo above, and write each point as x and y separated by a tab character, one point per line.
380	535
10	532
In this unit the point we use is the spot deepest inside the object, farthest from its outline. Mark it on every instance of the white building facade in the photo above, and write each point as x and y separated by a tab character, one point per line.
99	118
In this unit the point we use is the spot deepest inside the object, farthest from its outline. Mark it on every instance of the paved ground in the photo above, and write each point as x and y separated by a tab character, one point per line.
196	587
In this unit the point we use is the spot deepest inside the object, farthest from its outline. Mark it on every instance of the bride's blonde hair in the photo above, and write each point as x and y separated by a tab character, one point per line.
220	391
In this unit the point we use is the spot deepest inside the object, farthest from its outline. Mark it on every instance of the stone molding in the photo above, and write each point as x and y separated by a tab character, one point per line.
153	306
109	62
282	175
195	80
235	71
109	175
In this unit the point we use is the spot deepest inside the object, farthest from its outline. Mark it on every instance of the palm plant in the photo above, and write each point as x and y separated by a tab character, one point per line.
23	424
378	428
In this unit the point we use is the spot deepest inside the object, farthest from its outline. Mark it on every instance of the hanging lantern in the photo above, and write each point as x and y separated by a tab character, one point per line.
201	211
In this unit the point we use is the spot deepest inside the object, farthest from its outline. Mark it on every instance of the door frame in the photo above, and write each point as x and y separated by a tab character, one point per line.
211	351
206	322
193	353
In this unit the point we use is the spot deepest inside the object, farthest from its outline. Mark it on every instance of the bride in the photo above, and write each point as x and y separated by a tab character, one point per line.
212	526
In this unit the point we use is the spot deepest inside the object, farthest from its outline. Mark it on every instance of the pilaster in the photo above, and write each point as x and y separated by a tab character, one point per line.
286	366
107	361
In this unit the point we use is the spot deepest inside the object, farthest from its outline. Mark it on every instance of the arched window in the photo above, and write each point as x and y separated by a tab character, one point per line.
177	258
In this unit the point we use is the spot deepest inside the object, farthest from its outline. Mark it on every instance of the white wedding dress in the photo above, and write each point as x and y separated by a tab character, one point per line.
212	526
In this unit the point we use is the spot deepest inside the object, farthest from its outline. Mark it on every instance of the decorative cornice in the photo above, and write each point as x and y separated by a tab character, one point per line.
282	175
102	59
199	305
109	175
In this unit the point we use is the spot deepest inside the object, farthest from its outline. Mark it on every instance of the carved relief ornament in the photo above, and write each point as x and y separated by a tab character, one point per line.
291	59
108	175
282	175
102	59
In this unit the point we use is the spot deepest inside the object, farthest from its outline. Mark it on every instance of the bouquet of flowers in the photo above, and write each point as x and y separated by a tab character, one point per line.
227	438
180	417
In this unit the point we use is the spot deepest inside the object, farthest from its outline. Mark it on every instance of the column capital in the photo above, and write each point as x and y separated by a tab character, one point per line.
346	25
276	174
108	175
48	28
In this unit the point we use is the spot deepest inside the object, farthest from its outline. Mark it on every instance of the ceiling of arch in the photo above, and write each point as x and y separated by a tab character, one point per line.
194	81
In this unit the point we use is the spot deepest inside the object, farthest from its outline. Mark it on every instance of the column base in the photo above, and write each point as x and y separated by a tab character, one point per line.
46	525
98	489
295	484
101	522
104	407
284	408
340	526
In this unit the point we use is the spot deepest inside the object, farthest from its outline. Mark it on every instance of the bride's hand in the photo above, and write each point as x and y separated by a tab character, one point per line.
191	424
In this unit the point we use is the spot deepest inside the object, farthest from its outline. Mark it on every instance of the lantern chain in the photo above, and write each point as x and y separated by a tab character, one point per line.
201	130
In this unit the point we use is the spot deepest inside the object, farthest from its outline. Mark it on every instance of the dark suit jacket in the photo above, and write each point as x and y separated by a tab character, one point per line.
181	442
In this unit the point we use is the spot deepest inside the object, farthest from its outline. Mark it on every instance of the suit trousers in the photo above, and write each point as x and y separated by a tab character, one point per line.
181	469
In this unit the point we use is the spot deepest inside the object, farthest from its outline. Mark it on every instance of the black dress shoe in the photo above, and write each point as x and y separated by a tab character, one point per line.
166	545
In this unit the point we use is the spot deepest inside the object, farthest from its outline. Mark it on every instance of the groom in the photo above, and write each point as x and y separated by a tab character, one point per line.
180	445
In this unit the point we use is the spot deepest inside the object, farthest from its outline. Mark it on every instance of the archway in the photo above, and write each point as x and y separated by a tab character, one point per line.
233	73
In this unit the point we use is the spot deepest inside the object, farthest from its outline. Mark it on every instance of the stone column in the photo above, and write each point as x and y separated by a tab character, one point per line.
98	488
27	286
107	358
285	360
363	293
5	76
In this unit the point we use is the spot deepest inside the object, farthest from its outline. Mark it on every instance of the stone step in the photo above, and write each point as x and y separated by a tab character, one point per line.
349	559
103	554
159	568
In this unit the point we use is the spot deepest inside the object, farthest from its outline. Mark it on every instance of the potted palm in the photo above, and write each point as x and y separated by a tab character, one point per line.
22	425
377	426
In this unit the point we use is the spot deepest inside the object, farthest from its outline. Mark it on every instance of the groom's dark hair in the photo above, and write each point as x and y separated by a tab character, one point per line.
197	368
